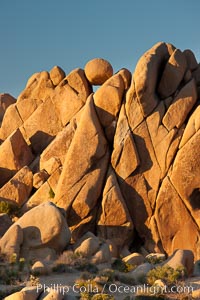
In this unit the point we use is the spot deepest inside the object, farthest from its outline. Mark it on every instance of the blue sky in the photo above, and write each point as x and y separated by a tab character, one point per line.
36	35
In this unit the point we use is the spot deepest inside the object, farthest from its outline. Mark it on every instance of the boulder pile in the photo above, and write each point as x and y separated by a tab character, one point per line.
122	162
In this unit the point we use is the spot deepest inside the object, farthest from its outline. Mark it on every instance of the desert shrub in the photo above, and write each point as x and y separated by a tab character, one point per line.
8	208
122	266
107	275
88	288
154	260
166	273
33	280
51	193
102	297
69	259
11	269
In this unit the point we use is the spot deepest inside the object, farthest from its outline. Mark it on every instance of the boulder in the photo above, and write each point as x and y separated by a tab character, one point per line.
70	95
185	175
108	99
126	75
5	223
12	240
114	221
14	155
173	231
41	268
103	255
191	59
138	275
39	86
55	152
42	195
173	74
45	193
18	189
26	107
98	70
57	75
54	178
38	234
181	106
88	247
134	259
27	293
5	101
18	112
196	294
8	127
79	83
184	258
81	180
146	75
42	126
155	257
40	178
53	294
196	75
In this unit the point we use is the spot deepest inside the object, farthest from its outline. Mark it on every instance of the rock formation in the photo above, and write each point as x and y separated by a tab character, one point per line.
122	162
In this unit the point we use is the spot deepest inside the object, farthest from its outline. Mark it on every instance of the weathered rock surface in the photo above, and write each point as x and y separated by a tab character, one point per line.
11	242
98	70
57	149
5	101
39	86
70	95
57	75
108	99
18	189
173	74
134	259
173	231
5	223
122	162
140	272
27	293
180	106
42	126
184	258
39	178
14	155
81	181
34	235
114	222
146	75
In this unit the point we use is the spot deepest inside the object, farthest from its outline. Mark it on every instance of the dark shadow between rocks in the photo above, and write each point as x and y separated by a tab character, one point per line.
6	175
32	237
194	199
40	140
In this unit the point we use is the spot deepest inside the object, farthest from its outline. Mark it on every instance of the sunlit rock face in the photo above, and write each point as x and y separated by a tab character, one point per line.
123	162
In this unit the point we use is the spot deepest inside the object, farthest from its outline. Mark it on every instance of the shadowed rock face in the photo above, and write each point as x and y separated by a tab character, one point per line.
123	161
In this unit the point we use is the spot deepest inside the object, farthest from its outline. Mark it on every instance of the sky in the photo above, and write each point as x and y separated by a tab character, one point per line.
37	35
